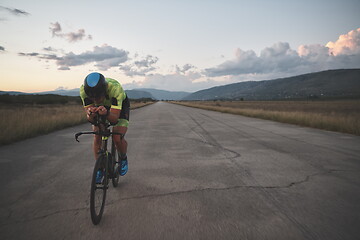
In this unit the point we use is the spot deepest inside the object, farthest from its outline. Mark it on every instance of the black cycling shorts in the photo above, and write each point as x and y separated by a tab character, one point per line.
125	109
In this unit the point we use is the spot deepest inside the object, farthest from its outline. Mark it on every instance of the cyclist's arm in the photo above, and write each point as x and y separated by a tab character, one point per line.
88	105
90	113
113	115
117	96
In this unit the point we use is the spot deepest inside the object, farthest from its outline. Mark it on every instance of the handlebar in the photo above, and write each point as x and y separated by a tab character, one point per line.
101	120
103	126
106	134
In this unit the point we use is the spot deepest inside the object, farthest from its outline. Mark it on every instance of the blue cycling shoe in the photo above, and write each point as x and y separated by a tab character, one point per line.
99	177
124	167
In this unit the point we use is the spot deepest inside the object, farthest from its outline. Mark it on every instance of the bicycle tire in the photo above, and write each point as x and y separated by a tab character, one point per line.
97	207
115	166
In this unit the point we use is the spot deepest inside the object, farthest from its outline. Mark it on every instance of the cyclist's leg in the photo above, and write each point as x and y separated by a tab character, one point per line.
121	145
97	142
121	127
120	142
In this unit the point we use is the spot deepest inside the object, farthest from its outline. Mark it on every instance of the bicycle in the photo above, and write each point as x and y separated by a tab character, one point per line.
107	164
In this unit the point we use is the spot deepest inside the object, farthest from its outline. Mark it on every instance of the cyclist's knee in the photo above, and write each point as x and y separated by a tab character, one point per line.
120	129
118	139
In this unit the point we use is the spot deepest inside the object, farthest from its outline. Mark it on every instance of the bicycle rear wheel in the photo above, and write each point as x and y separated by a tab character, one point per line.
98	190
115	165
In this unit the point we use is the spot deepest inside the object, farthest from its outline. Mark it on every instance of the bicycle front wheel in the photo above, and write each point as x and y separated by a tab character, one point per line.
98	189
115	165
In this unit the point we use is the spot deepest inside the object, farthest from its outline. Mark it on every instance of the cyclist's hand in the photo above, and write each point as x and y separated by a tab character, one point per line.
102	110
91	110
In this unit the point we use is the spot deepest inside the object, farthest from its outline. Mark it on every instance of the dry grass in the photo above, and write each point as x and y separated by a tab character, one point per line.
24	121
19	122
340	116
134	105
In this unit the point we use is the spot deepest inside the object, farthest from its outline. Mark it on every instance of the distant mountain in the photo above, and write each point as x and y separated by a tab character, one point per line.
342	83
164	95
134	94
331	83
63	92
72	92
137	94
12	93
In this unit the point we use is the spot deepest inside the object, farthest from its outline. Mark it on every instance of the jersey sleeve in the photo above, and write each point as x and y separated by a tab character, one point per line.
117	94
84	98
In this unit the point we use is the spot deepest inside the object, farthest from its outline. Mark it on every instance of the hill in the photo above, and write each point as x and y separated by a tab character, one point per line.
133	94
137	94
63	92
11	93
164	95
343	83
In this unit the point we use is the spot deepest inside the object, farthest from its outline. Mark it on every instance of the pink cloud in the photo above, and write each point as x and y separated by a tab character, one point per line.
347	44
313	50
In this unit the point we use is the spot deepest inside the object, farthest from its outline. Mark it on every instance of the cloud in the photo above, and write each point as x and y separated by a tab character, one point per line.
33	54
184	69
140	67
15	11
245	62
147	62
346	44
49	57
49	49
104	57
314	50
77	36
170	82
56	30
280	59
185	78
276	61
63	68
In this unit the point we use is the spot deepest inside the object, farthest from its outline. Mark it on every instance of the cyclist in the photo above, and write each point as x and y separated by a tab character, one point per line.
107	97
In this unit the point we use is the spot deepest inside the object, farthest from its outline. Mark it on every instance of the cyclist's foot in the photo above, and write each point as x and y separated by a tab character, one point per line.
124	167
99	177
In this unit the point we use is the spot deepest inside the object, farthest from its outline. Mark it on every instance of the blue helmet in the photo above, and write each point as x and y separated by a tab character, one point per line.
95	85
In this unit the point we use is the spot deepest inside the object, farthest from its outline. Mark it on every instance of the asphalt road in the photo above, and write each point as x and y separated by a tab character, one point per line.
193	174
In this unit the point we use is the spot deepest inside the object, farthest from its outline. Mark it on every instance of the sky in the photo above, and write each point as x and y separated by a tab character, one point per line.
182	45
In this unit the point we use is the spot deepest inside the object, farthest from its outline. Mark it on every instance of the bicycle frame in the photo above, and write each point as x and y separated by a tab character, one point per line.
104	132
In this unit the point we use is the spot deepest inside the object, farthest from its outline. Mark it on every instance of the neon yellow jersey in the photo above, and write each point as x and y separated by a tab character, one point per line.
115	95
